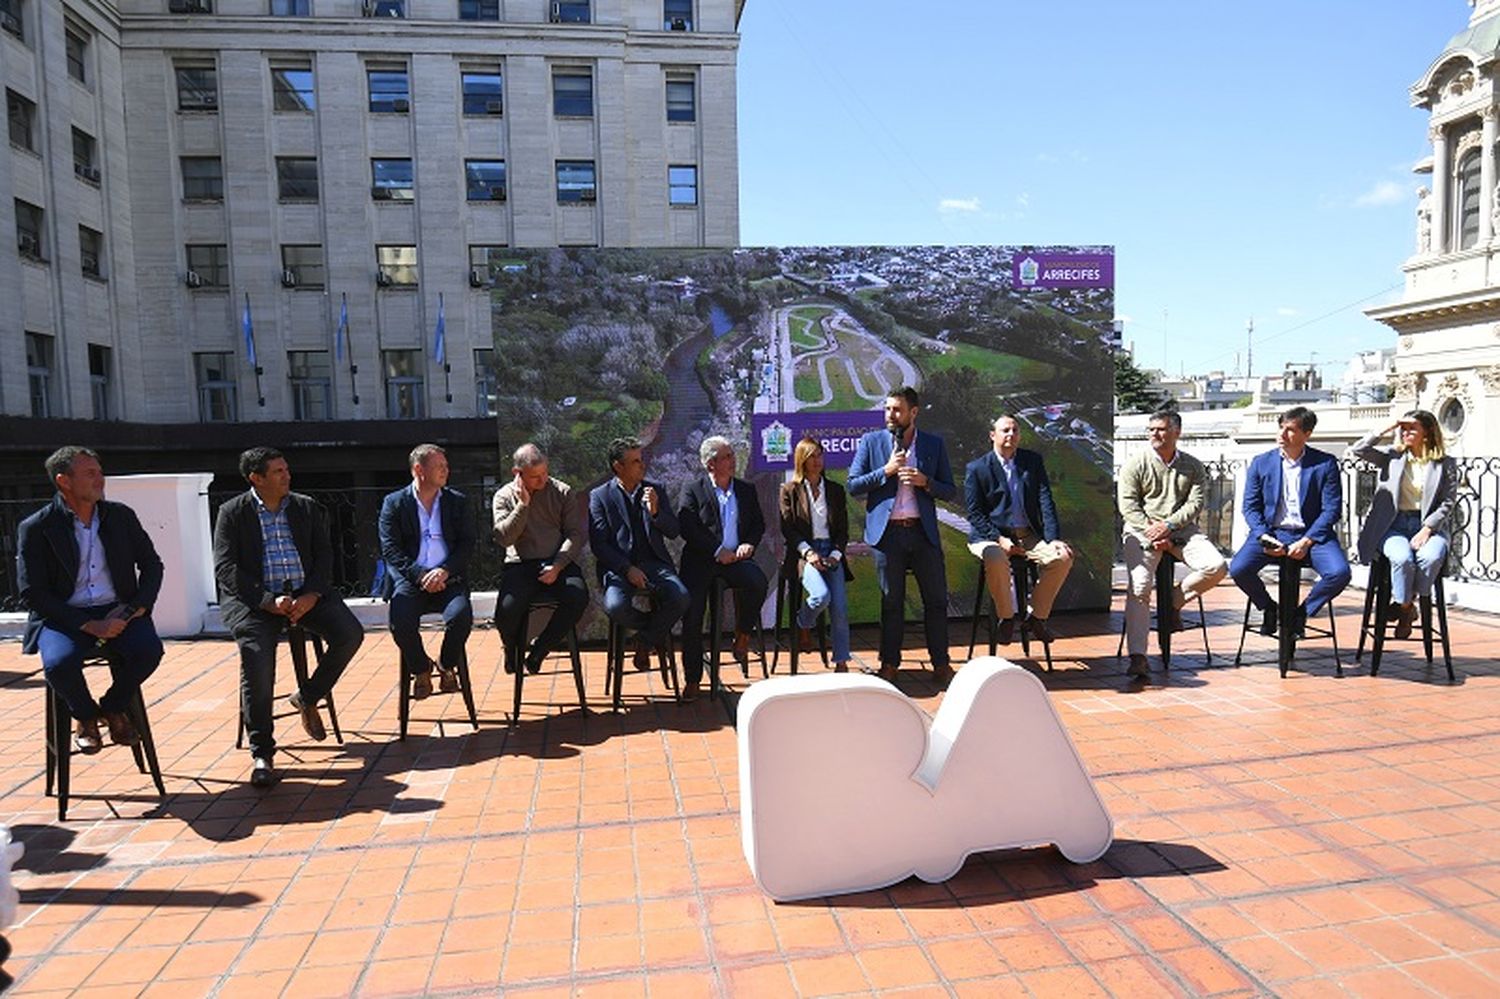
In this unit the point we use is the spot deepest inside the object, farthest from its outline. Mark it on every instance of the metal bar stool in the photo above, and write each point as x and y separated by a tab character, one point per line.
1288	599
59	742
614	673
296	641
1166	578
789	594
1025	574
716	635
1377	606
515	652
404	710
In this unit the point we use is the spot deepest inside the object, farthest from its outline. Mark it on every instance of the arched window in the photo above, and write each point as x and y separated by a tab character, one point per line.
1466	200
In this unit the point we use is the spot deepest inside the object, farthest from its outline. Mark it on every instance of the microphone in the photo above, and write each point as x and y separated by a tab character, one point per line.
896	435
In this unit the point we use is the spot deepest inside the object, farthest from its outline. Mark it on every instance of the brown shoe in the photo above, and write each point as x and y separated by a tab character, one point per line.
690	692
448	680
421	686
1006	633
312	722
121	732
742	647
841	667
1405	620
1138	667
888	672
942	676
642	659
1039	630
86	737
804	640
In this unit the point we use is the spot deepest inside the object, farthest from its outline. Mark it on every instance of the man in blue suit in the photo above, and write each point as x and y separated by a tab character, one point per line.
902	474
629	520
1293	499
426	537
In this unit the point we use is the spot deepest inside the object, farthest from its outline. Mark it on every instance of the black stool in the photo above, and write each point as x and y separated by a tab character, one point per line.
1288	598
614	672
789	594
1026	574
515	652
464	688
1166	580
59	740
1378	599
296	641
716	635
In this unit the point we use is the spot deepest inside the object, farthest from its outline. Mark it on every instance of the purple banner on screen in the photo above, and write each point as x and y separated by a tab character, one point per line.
773	436
1064	270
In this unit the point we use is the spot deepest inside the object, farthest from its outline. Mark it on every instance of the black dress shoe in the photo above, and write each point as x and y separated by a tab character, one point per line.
1268	621
262	774
1299	624
1039	630
1007	631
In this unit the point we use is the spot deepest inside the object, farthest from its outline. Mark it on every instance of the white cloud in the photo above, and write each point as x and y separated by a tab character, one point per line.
1287	310
1385	192
957	205
1023	201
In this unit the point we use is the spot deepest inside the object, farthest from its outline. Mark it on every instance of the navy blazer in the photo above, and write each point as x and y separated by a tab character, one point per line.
867	478
701	527
991	505
609	527
239	552
1320	493
47	565
401	539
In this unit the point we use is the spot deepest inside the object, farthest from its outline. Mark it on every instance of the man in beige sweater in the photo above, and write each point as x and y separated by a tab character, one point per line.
1160	495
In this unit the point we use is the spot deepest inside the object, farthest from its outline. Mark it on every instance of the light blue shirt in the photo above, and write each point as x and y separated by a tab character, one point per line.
93	586
729	517
1289	503
434	550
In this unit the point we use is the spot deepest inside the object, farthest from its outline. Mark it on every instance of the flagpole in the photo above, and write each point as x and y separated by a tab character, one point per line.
249	331
341	335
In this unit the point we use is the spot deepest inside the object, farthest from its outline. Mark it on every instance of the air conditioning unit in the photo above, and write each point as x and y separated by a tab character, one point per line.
494	107
10	23
497	193
477	279
289	279
192	279
680	24
380	193
90	264
92	174
383	280
80	169
190	6
554	12
400	104
29	245
588	194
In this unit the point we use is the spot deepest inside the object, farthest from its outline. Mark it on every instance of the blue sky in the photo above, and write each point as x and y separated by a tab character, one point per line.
1248	158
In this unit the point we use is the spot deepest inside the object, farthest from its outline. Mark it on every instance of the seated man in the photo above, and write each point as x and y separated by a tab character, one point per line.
89	576
426	537
273	561
722	524
538	523
1292	501
628	524
1011	513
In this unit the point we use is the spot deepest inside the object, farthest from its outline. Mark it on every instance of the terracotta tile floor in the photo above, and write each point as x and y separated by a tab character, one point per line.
1312	835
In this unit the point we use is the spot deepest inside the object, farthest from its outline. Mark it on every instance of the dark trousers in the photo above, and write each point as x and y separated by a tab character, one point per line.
133	655
257	636
1326	558
903	548
408	604
748	584
520	588
671	599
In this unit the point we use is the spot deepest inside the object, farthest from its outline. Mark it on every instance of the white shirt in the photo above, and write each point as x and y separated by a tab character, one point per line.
93	586
819	506
434	550
1289	503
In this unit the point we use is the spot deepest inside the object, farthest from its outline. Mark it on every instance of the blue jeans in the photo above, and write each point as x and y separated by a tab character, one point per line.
825	588
408	604
1412	572
133	655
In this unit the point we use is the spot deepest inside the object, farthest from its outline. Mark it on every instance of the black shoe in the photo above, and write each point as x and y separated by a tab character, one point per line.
312	722
1039	630
1007	631
448	681
262	774
509	657
1299	624
1269	619
534	657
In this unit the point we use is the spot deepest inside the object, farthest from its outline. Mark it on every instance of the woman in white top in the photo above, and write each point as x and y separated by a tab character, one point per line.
1416	486
815	523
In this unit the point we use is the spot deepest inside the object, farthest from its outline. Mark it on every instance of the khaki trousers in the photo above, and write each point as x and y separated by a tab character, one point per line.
1052	564
1206	567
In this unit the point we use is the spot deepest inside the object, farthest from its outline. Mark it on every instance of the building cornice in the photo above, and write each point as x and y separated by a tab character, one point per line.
1474	306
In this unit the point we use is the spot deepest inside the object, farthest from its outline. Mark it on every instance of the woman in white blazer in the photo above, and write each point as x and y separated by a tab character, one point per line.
1416	486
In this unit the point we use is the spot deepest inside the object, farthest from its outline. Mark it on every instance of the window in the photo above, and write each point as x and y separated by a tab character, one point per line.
99	368
190	6
479	10
485	179
682	104
209	262
291	8
297	178
292	88
10	18
575	181
21	114
677	15
1466	199
485	263
390	90
391	180
312	384
303	263
83	156
91	251
483	92
572	93
202	178
397	266
385	8
682	185
39	373
29	230
486	383
1451	416
218	395
404	395
570	11
197	88
77	48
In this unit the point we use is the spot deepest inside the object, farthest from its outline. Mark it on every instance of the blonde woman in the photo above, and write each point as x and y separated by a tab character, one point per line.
1416	486
815	523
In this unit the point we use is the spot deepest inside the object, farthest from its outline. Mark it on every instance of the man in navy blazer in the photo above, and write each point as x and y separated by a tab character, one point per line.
426	537
1011	513
629	520
902	474
89	576
1294	497
722	526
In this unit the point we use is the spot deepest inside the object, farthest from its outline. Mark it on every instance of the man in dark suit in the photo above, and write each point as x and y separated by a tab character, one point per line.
629	521
1011	513
902	474
1292	501
274	564
89	576
722	525
426	537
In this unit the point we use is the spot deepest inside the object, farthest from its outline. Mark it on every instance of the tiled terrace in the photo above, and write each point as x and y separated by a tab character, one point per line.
1306	836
